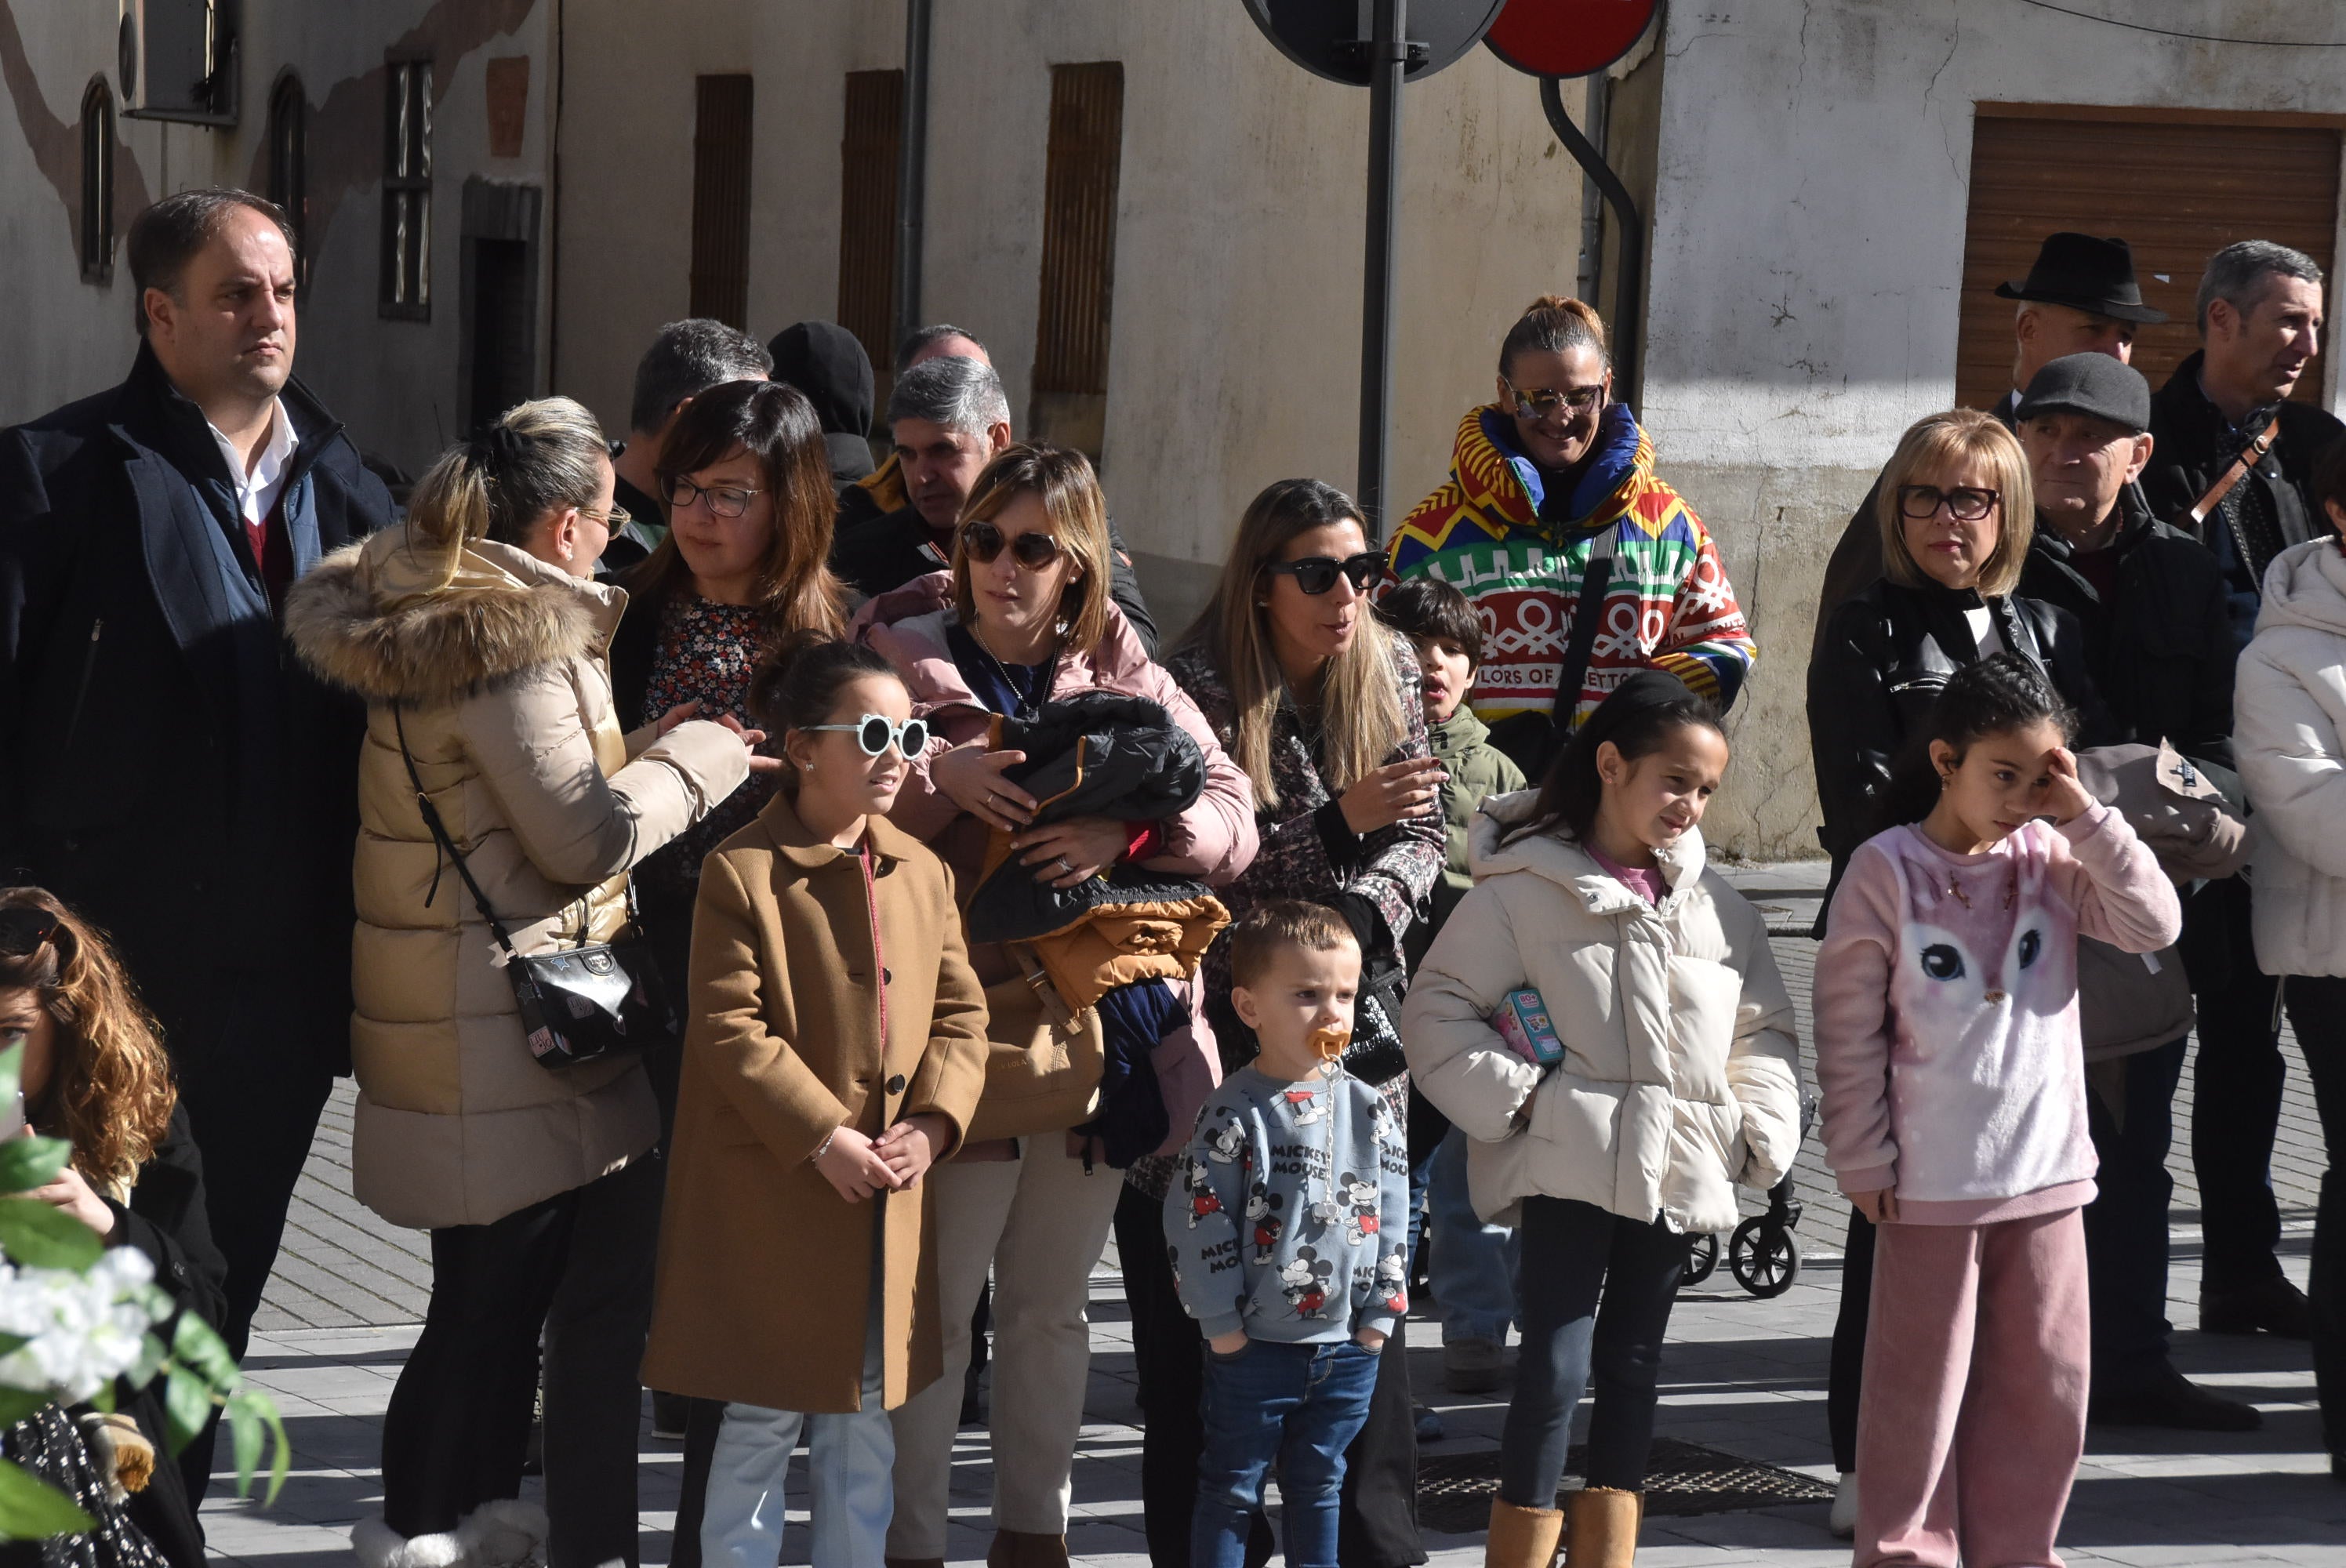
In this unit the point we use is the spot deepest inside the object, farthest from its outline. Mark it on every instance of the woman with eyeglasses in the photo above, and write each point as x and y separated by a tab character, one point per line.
1024	618
478	635
1320	704
1552	508
1956	512
94	1073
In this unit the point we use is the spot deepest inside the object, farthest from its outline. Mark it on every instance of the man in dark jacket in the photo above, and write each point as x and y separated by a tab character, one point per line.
2259	323
686	359
2150	603
165	766
882	491
949	418
2080	297
823	360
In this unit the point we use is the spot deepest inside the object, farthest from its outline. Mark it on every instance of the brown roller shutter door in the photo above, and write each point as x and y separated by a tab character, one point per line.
2175	192
1081	167
868	157
720	199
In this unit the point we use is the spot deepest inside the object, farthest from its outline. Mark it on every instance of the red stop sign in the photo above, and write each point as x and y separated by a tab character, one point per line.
1567	37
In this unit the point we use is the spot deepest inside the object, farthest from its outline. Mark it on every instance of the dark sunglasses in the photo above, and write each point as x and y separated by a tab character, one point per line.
1032	550
25	927
1316	575
873	732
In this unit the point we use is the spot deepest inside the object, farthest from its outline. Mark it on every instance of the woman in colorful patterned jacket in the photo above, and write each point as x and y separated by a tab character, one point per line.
1545	483
1319	703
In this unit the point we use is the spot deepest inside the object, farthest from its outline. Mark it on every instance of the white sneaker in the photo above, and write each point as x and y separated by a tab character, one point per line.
509	1533
378	1545
1842	1520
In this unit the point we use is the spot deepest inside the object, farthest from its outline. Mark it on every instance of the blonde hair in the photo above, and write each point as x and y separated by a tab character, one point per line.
1063	481
533	459
1942	442
1360	694
110	1093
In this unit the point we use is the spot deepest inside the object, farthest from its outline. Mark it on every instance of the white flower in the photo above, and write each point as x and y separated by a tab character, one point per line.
81	1331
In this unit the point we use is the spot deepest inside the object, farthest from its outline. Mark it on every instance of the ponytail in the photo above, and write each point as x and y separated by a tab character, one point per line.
1641	714
1554	324
2001	693
535	458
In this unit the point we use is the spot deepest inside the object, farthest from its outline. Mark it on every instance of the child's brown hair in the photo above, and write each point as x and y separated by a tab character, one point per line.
1427	609
1266	928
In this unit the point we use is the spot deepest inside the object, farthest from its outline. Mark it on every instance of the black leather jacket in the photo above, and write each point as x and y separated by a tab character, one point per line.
1885	656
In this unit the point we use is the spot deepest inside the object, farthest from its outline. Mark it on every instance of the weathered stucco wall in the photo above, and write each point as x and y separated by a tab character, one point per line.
1808	252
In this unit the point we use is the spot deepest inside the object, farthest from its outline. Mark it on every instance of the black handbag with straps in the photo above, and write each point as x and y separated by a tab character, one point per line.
578	1004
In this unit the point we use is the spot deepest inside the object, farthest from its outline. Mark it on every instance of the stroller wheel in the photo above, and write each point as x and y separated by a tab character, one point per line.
1764	1258
1702	1257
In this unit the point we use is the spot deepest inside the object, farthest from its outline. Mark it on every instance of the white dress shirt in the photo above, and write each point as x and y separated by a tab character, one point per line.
257	487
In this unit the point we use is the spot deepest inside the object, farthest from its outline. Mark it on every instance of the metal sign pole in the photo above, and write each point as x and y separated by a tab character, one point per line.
1388	61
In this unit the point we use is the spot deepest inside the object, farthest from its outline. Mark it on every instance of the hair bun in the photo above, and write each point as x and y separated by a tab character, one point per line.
1580	311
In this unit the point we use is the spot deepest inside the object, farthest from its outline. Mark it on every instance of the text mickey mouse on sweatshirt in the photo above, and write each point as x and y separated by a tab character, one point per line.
1291	1218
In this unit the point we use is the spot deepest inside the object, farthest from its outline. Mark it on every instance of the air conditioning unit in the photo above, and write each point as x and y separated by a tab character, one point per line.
179	60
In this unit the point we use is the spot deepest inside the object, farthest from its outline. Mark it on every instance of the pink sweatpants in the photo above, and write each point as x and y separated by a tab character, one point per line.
1974	1413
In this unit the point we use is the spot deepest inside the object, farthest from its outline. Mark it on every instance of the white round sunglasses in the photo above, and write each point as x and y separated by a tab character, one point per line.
873	732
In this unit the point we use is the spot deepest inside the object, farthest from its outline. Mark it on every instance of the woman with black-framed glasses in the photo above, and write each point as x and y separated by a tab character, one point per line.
1024	621
1956	511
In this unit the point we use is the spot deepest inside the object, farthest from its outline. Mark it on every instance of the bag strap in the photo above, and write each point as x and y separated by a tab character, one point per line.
440	836
1574	673
2250	455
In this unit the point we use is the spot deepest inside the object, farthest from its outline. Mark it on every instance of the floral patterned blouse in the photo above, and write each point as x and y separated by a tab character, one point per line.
704	655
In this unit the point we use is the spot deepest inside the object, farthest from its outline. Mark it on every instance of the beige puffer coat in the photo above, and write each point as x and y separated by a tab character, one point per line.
498	673
1681	1074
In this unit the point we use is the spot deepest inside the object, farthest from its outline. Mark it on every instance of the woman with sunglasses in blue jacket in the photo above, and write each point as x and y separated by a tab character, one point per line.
1024	618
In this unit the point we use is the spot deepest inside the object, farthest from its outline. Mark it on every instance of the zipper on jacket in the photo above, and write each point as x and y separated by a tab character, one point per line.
81	688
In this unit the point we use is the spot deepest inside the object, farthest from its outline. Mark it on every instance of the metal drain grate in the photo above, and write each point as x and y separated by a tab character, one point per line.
1455	1489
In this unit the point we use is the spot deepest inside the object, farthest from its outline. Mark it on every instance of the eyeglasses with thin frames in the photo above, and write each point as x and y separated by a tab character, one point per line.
1964	503
874	733
724	500
616	519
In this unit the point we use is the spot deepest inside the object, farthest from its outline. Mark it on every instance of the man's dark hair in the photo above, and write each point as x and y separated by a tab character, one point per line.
1427	608
916	341
687	359
166	237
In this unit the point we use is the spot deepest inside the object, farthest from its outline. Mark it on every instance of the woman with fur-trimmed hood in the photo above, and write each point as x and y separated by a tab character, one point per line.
479	640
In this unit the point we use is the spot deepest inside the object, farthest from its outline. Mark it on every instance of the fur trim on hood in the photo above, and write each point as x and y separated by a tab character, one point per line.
376	619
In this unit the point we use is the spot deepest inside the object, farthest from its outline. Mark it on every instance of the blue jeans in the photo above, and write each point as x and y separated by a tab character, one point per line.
1473	1268
1300	1405
851	1465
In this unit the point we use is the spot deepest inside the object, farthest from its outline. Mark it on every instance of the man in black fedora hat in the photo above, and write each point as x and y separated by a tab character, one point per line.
2079	298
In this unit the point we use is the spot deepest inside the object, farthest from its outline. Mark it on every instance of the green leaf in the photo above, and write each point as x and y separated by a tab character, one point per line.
195	1346
151	1357
28	1163
32	1510
39	1236
187	1407
245	1424
15	1404
12	1068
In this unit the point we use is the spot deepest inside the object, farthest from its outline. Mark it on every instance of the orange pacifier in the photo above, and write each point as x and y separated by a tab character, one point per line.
1329	1043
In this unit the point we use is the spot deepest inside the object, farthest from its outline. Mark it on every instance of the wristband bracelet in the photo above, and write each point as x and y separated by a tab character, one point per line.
823	1148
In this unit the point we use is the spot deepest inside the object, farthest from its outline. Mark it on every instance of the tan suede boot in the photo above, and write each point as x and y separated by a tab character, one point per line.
1521	1537
1019	1548
1604	1530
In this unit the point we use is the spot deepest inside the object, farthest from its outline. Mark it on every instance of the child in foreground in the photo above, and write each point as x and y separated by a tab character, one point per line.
1677	1078
1288	1235
1955	1115
835	1052
1472	1269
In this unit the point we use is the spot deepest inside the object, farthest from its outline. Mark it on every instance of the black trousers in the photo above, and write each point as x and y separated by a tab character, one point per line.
2317	1006
1595	1292
2236	1096
253	1092
1377	1522
1845	1379
576	1269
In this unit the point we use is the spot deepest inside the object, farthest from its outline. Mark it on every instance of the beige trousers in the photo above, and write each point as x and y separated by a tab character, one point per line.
1041	1222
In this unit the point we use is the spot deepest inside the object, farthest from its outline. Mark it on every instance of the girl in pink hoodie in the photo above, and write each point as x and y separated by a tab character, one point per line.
1954	1116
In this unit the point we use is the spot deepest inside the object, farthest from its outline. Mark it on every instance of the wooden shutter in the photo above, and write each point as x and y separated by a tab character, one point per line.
869	151
720	199
2176	193
1079	184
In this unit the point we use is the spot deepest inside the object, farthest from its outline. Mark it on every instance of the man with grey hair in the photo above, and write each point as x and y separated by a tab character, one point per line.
949	418
2260	314
882	491
685	359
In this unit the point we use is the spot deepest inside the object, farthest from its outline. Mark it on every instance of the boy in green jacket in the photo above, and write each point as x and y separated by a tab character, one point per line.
1474	1265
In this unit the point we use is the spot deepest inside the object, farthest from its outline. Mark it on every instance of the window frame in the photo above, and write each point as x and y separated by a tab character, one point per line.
404	291
93	234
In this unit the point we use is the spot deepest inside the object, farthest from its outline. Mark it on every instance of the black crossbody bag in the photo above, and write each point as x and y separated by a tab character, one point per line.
578	1004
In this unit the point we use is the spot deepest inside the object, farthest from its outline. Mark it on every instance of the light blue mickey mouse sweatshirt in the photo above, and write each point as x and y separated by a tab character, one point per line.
1291	1217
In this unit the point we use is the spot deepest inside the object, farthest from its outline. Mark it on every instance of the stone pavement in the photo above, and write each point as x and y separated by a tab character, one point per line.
1740	1375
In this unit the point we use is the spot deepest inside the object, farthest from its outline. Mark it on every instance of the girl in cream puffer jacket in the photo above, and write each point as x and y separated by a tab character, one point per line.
1679	1077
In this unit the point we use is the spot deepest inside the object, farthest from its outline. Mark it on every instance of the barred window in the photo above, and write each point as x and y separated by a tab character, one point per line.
407	191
